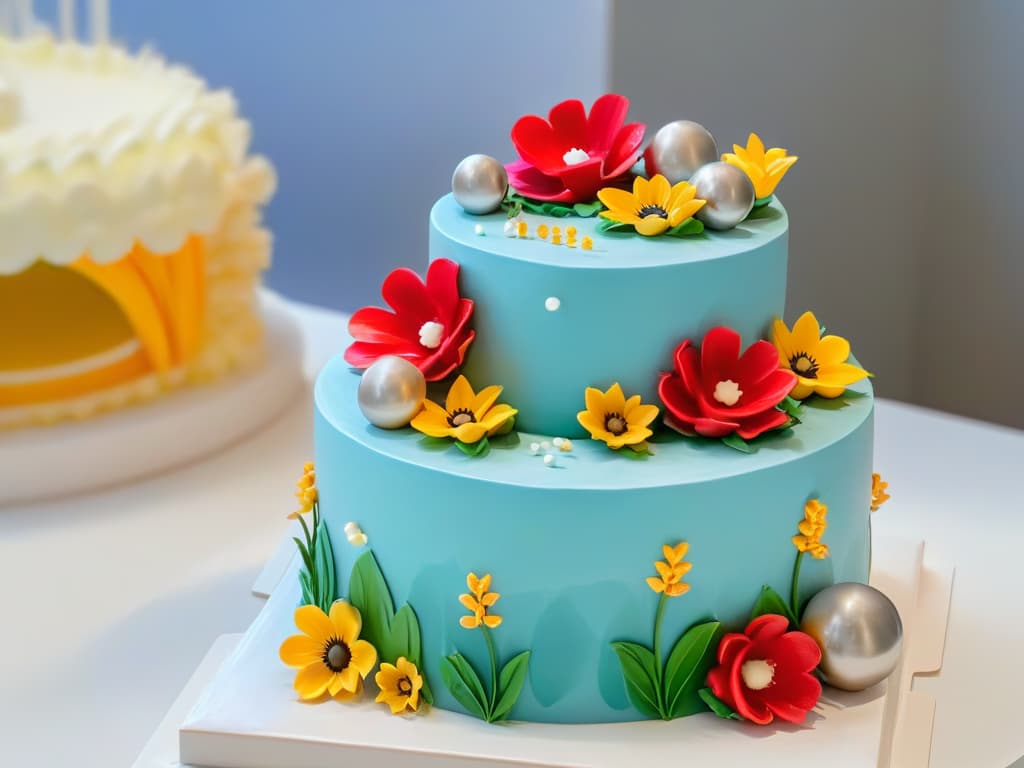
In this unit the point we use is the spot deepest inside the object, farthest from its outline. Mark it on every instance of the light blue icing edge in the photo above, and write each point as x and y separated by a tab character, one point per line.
624	306
570	547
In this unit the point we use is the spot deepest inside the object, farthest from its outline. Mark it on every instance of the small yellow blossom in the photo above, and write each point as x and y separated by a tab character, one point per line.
307	493
466	416
400	685
765	169
522	228
588	243
671	571
878	494
542	231
653	206
478	602
610	417
812	528
819	362
329	655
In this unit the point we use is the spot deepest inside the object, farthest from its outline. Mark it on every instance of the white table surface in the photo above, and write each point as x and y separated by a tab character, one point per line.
110	601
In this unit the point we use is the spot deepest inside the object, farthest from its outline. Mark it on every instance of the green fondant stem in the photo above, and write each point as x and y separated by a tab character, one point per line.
305	533
494	668
657	649
794	596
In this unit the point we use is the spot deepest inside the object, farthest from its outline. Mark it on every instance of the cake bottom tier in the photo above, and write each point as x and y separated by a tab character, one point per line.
570	547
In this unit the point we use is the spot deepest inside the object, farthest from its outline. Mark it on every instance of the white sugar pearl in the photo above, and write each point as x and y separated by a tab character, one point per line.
545	445
510	228
552	303
549	460
558	442
535	448
479	229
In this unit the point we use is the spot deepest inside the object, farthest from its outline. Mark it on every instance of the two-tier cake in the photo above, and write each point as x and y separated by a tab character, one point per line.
584	470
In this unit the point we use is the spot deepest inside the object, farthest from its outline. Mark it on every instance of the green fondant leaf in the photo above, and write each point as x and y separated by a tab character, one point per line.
479	448
307	560
539	206
507	427
510	685
640	671
687	666
404	640
792	407
324	579
763	201
586	210
307	590
770	601
435	443
737	443
608	225
685	228
716	705
461	679
369	593
631	452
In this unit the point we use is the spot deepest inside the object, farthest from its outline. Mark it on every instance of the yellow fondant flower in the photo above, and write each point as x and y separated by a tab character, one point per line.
812	528
671	570
765	169
614	419
306	492
653	206
466	416
819	362
400	685
329	655
478	602
878	494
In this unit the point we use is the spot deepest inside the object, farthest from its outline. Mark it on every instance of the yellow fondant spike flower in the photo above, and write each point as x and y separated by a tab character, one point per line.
878	494
819	362
400	685
671	570
478	601
812	528
306	492
614	419
653	206
765	169
329	655
467	416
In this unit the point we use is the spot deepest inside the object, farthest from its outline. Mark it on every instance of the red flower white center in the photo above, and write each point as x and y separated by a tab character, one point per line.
575	156
757	674
431	334
727	392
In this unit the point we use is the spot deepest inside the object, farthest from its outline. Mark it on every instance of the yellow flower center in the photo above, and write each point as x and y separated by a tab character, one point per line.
615	424
757	674
404	686
336	655
461	416
804	364
652	210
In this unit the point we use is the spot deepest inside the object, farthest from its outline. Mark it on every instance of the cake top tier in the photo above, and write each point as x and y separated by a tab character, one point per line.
100	148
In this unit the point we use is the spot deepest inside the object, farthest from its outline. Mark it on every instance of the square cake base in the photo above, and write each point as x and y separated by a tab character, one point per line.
248	716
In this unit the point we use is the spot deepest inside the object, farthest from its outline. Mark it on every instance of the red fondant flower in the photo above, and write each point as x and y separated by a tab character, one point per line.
428	326
571	155
715	391
765	672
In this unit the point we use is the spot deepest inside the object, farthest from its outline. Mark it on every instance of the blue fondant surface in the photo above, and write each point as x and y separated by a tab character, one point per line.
624	306
570	547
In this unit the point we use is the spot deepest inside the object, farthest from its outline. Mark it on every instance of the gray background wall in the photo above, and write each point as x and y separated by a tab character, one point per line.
907	117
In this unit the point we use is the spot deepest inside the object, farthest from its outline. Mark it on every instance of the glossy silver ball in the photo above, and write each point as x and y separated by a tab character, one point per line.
679	149
391	392
728	192
479	184
859	632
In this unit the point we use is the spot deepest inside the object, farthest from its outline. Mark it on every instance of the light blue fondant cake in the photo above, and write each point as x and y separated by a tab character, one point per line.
569	545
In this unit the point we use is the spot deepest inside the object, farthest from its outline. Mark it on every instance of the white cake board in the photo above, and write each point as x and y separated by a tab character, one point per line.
248	716
177	428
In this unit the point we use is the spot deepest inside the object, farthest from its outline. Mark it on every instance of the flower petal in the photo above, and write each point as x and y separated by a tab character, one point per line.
469	433
618	200
614	399
491	621
569	122
659	190
301	651
346	620
406	293
651	226
760	423
314	622
537	144
469	622
364	656
584	179
442	285
625	150
484	400
312	681
460	395
497	417
841	375
806	333
719	355
532	183
606	118
766	628
642	415
431	423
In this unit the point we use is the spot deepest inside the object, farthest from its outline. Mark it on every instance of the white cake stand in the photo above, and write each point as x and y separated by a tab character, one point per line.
181	427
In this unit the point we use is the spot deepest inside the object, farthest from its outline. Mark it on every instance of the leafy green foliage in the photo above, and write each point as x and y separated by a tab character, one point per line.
477	449
323	582
737	443
510	685
461	679
687	666
770	601
716	705
640	671
516	202
690	226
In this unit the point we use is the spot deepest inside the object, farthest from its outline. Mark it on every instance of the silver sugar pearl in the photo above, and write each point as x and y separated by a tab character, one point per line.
728	192
479	184
678	149
391	392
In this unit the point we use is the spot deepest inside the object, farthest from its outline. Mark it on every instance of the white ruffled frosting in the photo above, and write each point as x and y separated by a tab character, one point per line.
106	148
